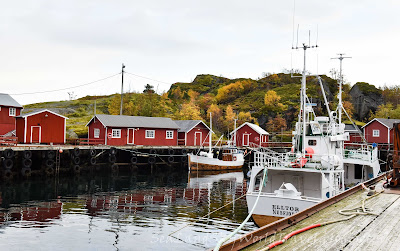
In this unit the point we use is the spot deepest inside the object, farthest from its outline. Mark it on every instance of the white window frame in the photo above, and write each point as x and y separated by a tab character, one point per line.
96	133
375	133
12	111
169	134
116	133
150	134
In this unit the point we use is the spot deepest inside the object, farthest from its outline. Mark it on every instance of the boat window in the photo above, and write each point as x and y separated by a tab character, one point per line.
312	142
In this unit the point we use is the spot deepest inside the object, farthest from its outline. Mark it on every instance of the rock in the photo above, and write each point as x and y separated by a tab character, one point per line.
365	98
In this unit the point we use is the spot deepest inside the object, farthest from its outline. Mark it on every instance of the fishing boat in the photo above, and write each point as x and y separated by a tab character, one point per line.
317	167
227	157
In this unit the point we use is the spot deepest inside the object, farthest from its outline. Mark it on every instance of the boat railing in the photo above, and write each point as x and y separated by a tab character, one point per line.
255	192
365	152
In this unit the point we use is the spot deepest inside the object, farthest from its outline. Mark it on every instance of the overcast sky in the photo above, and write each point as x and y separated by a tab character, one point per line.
49	45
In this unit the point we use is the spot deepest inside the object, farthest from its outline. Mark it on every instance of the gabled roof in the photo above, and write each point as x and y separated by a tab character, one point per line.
135	121
7	100
37	111
188	125
386	122
350	128
255	127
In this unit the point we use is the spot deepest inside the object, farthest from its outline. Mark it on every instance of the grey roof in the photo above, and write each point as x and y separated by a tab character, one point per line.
187	125
38	110
386	122
255	127
349	128
135	121
7	100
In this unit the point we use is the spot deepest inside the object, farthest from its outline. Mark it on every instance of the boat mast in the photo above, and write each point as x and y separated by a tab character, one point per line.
303	102
340	107
210	136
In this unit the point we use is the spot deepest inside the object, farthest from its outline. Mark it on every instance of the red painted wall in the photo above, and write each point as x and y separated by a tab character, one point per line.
139	136
7	122
383	133
253	138
204	135
96	124
52	128
20	127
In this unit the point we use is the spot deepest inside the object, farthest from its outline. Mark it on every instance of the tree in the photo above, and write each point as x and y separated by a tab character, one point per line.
271	101
276	124
148	89
245	117
229	117
216	116
189	111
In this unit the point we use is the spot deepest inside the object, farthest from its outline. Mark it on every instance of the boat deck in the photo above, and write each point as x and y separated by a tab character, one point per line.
363	232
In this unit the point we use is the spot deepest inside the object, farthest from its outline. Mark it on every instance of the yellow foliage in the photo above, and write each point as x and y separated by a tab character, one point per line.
229	117
190	111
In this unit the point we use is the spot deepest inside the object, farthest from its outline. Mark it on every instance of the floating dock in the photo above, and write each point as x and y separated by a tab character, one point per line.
376	230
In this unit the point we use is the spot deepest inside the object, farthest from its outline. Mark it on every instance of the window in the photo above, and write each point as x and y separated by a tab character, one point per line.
312	142
96	133
150	134
11	111
116	133
170	135
375	133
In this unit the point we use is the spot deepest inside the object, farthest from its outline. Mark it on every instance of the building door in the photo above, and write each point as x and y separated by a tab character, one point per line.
131	136
246	139
197	138
36	134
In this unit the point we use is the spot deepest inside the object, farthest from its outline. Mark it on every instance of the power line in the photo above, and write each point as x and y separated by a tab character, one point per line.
147	78
67	88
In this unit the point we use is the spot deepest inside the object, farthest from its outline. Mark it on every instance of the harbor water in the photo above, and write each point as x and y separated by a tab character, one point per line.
149	209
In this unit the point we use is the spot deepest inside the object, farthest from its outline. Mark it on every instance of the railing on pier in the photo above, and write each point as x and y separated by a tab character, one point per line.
8	140
91	141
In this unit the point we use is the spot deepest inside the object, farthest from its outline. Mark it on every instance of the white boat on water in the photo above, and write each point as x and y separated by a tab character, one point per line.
222	158
318	167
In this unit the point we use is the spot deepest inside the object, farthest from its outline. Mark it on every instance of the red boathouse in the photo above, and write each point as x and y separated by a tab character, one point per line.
193	133
119	130
9	109
248	134
41	127
380	131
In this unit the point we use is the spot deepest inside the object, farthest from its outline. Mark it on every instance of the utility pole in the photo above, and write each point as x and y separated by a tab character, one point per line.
340	107
122	88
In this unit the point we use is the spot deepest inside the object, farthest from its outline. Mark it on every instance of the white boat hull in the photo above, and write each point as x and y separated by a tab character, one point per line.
271	207
199	163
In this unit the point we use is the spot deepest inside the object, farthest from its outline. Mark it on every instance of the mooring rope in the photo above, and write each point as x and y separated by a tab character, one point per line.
222	241
192	223
352	212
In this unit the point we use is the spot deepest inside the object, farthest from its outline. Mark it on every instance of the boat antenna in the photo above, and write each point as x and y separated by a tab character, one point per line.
340	105
294	11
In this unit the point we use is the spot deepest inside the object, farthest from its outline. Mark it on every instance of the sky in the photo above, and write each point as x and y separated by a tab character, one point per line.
47	46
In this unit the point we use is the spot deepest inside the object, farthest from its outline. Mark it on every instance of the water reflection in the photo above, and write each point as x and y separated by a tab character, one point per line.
136	211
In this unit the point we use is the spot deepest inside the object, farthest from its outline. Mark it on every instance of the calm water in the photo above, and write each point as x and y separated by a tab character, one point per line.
121	212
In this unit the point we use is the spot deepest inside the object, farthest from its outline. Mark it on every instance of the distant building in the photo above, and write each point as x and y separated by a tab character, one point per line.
119	130
193	133
249	133
41	127
380	130
9	109
354	134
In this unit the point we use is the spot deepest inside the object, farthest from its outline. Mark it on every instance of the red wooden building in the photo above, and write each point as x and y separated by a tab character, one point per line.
41	127
380	130
9	108
248	134
118	130
354	134
193	133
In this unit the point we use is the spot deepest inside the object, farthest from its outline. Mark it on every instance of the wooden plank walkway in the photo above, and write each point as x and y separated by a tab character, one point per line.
364	232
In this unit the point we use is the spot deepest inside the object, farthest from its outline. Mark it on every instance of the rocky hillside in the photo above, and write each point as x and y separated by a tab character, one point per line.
271	101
